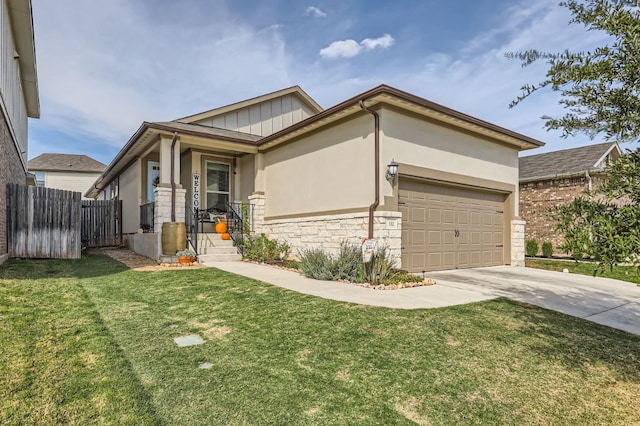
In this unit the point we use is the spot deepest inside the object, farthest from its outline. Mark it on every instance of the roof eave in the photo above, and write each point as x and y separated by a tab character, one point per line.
382	94
21	15
124	157
562	175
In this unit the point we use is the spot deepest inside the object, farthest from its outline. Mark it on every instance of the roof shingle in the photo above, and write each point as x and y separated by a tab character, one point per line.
562	163
64	162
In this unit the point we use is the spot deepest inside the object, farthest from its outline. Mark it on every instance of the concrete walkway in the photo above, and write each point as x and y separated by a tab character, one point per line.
602	300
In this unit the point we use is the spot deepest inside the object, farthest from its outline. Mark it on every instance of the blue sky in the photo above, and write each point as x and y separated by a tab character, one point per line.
103	69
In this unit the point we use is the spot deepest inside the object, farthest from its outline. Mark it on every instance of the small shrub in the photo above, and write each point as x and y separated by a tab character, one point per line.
532	248
317	264
402	277
348	264
263	249
379	268
547	249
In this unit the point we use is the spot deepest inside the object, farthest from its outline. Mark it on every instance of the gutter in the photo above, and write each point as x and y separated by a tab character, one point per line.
376	202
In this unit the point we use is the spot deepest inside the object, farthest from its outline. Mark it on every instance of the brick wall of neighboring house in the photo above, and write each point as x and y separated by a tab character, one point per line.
537	198
11	171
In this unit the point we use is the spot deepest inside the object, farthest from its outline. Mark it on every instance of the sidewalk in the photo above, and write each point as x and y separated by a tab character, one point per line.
435	296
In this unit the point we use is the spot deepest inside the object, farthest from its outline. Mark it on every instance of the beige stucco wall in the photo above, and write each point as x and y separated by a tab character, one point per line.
325	171
425	144
131	197
246	178
70	181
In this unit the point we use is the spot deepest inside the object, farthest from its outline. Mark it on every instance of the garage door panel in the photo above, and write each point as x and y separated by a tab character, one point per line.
448	216
418	214
435	238
448	238
432	213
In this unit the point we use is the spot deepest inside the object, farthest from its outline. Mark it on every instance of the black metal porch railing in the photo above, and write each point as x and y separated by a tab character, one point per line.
147	212
191	219
239	223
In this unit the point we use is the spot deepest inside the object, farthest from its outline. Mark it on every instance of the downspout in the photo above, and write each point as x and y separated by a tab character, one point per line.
376	202
173	180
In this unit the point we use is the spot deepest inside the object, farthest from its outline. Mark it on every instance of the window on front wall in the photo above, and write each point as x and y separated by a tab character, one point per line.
39	179
218	188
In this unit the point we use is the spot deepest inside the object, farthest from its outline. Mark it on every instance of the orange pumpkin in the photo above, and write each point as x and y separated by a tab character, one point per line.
226	236
221	227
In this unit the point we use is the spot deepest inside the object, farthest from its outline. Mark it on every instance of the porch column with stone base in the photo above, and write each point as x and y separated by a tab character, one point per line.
162	211
517	242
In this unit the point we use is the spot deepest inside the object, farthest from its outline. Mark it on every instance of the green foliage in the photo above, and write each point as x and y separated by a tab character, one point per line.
599	88
401	277
532	248
379	268
186	253
263	249
547	249
246	218
347	265
606	232
317	264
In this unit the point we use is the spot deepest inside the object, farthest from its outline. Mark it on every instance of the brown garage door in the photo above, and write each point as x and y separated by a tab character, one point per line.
446	227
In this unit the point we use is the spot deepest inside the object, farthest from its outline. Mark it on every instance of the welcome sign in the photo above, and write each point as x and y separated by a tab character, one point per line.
196	192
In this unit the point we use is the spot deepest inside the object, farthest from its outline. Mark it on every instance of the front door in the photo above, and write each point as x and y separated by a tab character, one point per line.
217	186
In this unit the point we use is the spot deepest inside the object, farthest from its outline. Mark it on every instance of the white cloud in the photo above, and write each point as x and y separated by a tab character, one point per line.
371	43
341	48
101	76
350	48
315	12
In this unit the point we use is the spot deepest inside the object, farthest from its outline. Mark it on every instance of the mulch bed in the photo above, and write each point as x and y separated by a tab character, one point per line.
138	262
425	282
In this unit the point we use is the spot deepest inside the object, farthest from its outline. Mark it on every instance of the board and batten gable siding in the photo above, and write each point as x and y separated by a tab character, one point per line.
12	101
410	140
70	181
325	171
264	118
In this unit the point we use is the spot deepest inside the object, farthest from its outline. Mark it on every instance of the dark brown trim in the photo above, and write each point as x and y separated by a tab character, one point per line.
388	90
316	214
181	130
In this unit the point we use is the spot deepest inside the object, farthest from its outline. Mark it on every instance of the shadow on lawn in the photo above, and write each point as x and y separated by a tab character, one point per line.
89	266
582	345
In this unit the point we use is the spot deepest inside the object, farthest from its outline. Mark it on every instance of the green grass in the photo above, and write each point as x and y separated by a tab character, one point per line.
623	273
89	342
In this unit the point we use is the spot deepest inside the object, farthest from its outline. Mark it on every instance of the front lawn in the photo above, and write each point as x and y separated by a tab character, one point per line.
623	273
88	341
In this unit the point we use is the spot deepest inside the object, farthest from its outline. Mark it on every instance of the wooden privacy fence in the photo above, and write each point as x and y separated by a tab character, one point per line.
101	225
43	222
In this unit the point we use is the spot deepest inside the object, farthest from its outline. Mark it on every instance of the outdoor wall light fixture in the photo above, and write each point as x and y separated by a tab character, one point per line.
392	171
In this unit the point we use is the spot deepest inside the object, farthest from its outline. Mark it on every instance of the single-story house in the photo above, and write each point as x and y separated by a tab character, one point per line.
19	100
71	172
317	177
555	178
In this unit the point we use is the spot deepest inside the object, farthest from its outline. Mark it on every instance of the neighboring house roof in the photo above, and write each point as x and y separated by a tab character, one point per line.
22	25
296	90
567	162
66	162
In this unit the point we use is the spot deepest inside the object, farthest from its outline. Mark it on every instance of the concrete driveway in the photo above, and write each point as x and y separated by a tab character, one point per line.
602	300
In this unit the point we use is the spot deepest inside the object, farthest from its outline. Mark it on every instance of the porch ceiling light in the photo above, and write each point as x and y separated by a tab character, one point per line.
392	171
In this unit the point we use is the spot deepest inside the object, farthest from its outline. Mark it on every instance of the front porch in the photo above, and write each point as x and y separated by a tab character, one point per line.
200	232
